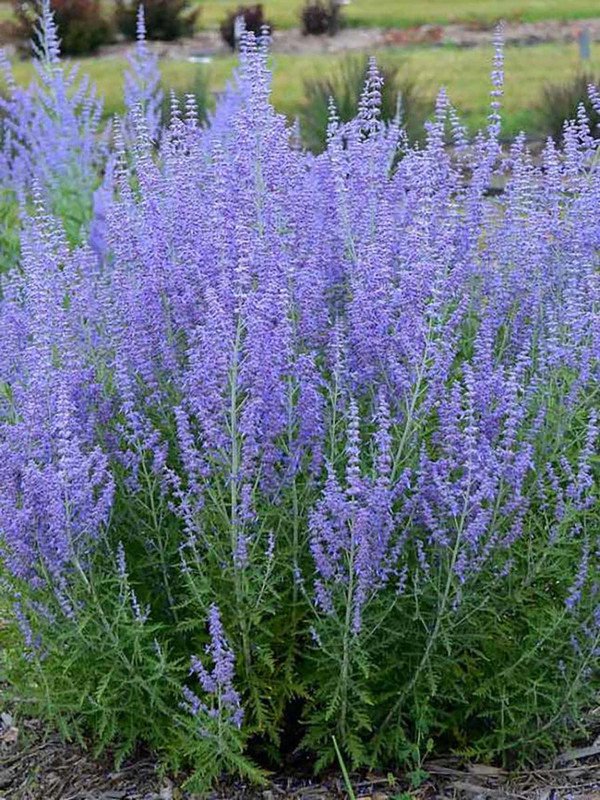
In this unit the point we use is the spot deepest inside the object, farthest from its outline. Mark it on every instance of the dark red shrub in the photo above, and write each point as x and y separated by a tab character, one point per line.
254	19
81	25
319	17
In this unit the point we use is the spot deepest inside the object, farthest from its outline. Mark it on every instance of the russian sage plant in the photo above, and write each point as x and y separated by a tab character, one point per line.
300	451
50	134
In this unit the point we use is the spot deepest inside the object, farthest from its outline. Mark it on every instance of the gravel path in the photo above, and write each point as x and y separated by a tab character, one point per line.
208	43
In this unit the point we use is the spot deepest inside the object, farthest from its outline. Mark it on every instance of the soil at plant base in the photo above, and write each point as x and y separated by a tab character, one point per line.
209	43
36	764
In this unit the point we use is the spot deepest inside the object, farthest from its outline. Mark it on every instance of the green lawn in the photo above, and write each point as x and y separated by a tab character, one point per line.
464	72
399	13
393	13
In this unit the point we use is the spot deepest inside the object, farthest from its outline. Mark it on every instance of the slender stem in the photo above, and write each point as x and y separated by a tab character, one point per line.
234	501
441	611
160	545
345	670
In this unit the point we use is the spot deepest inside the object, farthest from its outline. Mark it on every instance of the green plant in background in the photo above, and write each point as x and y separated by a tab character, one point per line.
344	86
562	101
197	94
71	202
9	231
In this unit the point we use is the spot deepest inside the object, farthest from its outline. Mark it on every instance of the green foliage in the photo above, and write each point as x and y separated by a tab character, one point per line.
561	102
71	202
9	231
216	754
344	86
495	675
109	672
500	676
497	671
102	668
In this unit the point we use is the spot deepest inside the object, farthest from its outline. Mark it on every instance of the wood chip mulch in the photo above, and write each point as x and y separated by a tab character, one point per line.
36	764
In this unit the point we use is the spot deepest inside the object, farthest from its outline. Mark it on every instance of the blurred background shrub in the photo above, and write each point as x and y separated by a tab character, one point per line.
344	85
254	21
82	26
165	19
318	17
561	101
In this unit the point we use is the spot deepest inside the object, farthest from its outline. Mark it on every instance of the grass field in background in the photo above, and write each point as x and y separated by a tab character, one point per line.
400	13
404	13
464	72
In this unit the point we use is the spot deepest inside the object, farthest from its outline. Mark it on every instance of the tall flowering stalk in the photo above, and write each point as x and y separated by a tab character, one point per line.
142	82
217	684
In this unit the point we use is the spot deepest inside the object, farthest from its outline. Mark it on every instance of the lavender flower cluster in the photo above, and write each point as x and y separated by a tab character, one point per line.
355	395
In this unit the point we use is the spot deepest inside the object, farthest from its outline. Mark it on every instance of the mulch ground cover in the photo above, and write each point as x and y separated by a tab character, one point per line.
36	764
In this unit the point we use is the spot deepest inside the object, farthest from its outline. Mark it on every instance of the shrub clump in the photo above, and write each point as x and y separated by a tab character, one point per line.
165	19
254	21
297	450
318	18
82	26
562	102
